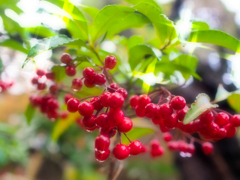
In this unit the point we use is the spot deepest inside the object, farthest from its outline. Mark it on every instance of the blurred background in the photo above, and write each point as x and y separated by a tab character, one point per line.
28	152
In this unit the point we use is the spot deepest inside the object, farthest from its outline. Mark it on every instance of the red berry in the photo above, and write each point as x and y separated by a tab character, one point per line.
52	115
40	72
212	129
96	103
110	131
133	101
35	80
88	73
170	122
35	100
102	156
123	92
178	102
172	145
135	147
162	126
72	105
126	125
41	86
157	152
89	122
181	113
143	100
77	84
53	88
52	104
66	58
167	137
100	79
154	144
207	148
113	87
101	120
182	146
144	148
70	70
221	119
115	117
231	130
67	97
140	111
156	120
50	75
191	148
85	108
116	100
110	62
104	99
64	115
151	110
102	142
165	111
89	83
235	120
121	151
206	117
222	133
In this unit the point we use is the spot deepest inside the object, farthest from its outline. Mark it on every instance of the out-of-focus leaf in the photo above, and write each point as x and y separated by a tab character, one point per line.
90	10
50	43
41	31
62	124
59	72
141	52
1	66
234	102
84	59
199	25
29	113
13	45
134	40
215	37
221	94
152	2
5	128
201	104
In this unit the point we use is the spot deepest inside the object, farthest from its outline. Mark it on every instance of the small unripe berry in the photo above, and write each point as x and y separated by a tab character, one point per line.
110	62
66	58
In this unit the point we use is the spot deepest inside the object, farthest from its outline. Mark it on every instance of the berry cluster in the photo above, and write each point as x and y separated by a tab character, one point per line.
40	80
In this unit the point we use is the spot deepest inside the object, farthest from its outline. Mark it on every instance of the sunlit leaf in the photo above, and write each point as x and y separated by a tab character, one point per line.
199	25
201	104
134	40
29	113
41	31
84	59
234	102
221	94
90	10
13	45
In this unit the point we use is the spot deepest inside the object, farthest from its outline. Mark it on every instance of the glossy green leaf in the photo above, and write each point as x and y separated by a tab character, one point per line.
59	72
141	52
152	2
13	45
41	31
234	102
50	43
199	25
84	59
90	10
201	104
134	40
215	37
29	113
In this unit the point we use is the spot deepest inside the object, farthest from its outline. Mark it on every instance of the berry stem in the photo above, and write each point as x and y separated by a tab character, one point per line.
86	98
216	109
127	137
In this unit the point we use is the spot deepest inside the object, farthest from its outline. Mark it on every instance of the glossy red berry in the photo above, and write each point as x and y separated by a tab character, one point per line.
123	92
212	129
207	148
41	86
77	84
102	142
121	151
113	87
171	122
154	143
40	72
140	111
100	79
126	125
143	100
66	58
101	121
50	75
178	102
167	137
89	83
165	111
181	113
190	148
235	120
206	117
70	70
96	103
109	131
67	97
88	73
72	105
182	146
102	156
110	62
89	122
133	101
231	130
52	104
53	89
156	120
115	117
116	100
135	147
222	133
222	119
104	99
162	126
151	110
85	108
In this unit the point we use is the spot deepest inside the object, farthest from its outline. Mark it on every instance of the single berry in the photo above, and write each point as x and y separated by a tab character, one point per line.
89	83
52	104
66	58
143	100
181	113
207	148
72	105
50	75
221	119
140	111
40	72
102	156
121	151
35	80
133	101
85	108
64	115
88	73
167	137
231	130
70	70
76	84
206	117
116	100
178	103
126	125
151	110
157	152
162	127
135	147
154	144
110	62
156	120
222	133
115	117
212	129
41	86
165	111
182	146
96	103
102	142
100	79
52	115
172	145
235	120
191	148
53	89
123	92
113	87
104	99
67	97
89	122
101	120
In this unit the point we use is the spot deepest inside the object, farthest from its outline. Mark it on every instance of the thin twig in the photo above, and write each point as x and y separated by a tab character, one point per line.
120	167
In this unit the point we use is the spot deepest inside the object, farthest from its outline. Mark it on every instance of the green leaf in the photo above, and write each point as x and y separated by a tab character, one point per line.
41	31
107	17
59	72
84	59
199	25
221	94
50	43
29	113
201	104
134	40
141	52
152	2
13	45
77	17
90	10
233	101
215	37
